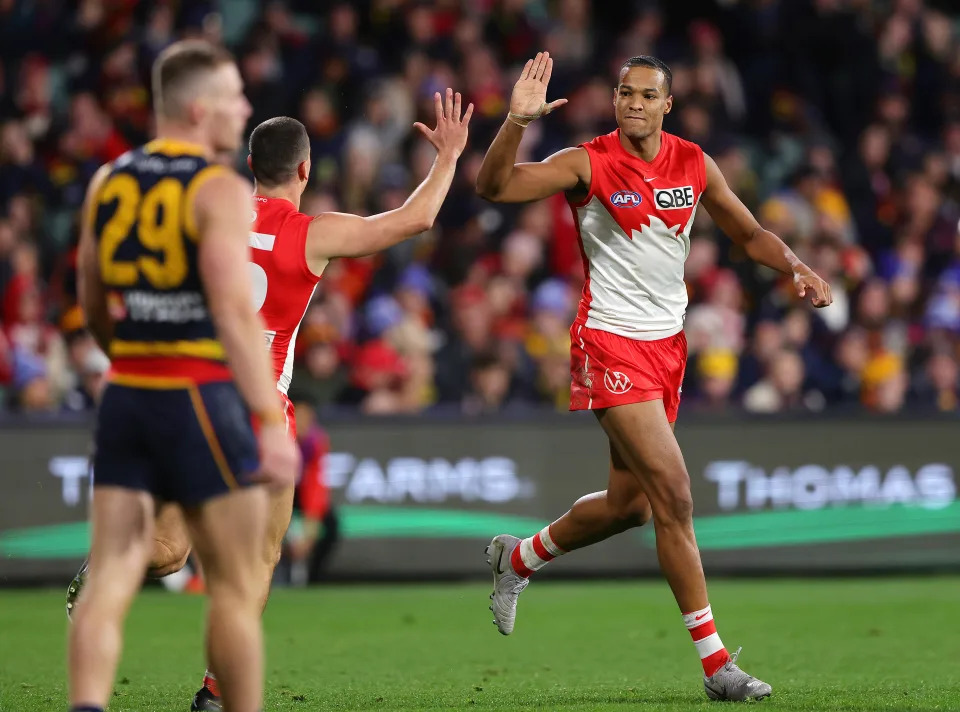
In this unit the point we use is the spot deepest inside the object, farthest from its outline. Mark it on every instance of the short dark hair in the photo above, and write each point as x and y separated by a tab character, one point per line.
645	60
179	65
277	147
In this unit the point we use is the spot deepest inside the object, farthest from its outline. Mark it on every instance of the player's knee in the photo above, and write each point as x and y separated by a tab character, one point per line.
675	505
168	557
635	513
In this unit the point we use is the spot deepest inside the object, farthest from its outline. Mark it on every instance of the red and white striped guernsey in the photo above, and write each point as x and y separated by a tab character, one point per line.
634	227
283	283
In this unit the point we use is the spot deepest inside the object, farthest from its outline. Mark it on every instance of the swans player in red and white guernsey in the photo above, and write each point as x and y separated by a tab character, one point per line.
289	251
634	194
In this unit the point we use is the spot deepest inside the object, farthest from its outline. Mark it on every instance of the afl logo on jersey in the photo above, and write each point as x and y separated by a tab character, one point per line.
674	198
625	199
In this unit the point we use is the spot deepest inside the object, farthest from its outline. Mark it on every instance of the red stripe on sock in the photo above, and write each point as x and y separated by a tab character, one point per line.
714	662
211	685
517	562
559	548
702	631
541	550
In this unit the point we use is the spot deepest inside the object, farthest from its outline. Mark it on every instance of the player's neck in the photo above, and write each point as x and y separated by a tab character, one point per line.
171	131
646	148
287	192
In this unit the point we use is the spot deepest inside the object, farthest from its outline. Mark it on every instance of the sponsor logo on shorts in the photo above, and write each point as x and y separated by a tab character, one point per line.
616	382
674	198
586	377
625	199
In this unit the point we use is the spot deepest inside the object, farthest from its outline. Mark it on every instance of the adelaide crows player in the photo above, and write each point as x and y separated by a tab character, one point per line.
164	284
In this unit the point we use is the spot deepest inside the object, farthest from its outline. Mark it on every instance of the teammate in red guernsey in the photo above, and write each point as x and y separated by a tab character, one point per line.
289	251
634	194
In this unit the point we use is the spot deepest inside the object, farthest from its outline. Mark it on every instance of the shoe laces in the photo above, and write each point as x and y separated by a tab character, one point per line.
520	584
736	675
733	658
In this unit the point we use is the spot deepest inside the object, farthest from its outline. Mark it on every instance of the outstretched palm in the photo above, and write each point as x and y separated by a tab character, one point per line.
529	96
451	132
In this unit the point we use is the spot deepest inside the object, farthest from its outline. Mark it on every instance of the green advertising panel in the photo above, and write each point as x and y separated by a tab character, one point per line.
422	498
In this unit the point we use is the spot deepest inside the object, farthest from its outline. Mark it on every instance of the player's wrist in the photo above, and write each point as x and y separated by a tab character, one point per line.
270	416
522	119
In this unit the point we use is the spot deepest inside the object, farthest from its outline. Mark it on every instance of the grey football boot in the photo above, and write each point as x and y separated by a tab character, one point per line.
73	590
732	684
507	584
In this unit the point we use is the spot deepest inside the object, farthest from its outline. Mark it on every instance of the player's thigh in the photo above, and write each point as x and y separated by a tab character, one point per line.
228	534
121	540
171	540
278	521
645	440
625	495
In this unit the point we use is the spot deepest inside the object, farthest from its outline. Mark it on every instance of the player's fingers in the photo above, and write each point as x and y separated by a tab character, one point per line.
525	74
547	71
823	295
422	129
438	107
542	67
456	107
556	104
468	114
448	108
536	65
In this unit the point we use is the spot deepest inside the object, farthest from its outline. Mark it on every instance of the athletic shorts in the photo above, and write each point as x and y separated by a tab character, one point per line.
609	370
181	442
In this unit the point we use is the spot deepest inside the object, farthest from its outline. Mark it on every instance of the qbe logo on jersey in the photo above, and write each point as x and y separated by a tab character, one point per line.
674	198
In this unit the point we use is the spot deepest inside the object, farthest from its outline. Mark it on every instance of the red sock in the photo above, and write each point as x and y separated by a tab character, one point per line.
535	552
703	630
210	682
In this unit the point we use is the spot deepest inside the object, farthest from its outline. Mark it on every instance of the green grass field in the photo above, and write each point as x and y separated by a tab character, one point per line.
870	644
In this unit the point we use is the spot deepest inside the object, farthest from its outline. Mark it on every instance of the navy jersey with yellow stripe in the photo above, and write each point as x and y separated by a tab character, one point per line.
147	243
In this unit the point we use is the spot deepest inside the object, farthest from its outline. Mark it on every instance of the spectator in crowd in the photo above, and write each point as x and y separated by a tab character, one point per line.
851	154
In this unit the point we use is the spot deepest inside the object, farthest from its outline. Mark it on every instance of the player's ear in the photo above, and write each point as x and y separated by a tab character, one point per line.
303	170
668	104
250	162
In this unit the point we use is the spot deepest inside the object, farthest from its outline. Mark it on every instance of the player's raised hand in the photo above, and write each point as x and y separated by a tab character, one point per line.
450	136
806	280
529	98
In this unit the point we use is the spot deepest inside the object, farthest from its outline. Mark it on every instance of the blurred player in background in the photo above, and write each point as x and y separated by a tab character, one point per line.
289	253
165	291
634	193
315	529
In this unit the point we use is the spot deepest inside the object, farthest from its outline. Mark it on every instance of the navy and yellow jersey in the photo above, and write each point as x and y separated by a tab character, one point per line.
147	241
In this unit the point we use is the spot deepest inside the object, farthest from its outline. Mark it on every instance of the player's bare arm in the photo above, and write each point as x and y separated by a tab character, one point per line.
222	209
93	297
343	235
733	217
501	179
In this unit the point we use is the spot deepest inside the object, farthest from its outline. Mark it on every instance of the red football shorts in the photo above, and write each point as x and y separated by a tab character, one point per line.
609	370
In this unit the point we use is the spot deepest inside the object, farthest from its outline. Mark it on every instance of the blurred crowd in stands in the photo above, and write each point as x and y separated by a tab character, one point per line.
836	121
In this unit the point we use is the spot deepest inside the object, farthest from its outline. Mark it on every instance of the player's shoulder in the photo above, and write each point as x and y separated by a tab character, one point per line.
213	188
605	143
681	145
279	213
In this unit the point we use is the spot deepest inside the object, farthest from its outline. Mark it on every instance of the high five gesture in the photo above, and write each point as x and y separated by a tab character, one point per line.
529	99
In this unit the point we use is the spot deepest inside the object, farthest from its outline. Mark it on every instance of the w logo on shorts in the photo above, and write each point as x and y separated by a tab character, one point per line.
616	382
